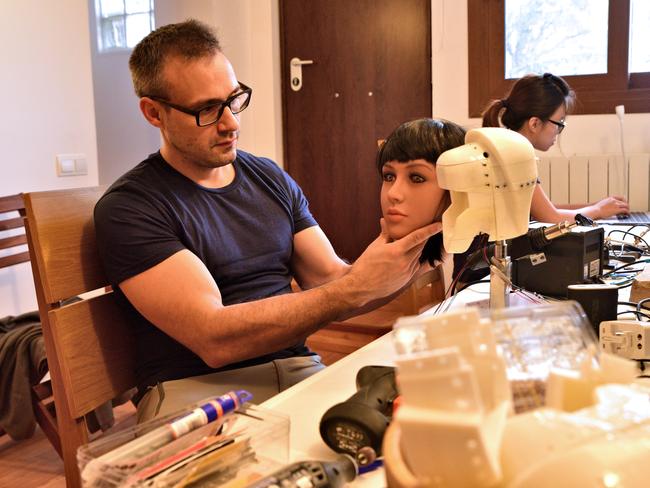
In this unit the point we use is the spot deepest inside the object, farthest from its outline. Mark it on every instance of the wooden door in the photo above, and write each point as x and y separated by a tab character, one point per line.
371	71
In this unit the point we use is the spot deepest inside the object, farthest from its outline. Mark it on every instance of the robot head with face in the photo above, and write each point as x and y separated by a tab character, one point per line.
491	181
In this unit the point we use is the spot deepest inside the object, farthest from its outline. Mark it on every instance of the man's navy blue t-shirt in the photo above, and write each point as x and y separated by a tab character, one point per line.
243	233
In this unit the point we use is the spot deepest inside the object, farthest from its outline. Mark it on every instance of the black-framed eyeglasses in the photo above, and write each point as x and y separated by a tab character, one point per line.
212	113
560	125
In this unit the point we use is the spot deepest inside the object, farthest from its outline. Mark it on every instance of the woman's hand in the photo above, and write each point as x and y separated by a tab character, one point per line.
610	206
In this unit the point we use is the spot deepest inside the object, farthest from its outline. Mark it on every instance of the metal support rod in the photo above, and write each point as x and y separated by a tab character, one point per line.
498	286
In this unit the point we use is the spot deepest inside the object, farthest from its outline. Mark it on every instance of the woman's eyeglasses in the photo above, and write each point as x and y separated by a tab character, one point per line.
560	125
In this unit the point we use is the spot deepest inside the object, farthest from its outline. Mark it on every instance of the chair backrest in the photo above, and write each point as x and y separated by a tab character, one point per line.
90	349
425	292
12	210
13	242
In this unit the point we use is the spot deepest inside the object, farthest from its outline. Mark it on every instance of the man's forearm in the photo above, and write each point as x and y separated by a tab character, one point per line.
243	331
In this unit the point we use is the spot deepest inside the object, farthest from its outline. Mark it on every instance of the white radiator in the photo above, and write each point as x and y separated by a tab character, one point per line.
588	178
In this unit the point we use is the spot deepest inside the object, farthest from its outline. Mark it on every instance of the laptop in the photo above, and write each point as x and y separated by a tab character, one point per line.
634	218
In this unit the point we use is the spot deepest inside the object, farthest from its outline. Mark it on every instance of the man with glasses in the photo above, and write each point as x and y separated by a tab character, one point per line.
201	241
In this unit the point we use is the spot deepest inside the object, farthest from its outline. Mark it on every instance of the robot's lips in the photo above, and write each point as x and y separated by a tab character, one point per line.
395	215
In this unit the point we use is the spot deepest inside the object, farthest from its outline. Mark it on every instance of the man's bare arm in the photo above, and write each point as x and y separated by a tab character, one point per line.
314	261
181	298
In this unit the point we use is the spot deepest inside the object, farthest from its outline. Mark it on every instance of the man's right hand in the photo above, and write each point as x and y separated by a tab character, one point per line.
386	266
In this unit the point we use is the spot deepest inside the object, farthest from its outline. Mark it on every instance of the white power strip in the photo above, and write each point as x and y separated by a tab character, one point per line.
627	338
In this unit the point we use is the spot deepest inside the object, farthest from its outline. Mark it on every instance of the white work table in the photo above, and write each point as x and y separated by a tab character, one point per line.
307	401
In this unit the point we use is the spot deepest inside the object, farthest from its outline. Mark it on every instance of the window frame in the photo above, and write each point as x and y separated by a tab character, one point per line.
100	18
596	94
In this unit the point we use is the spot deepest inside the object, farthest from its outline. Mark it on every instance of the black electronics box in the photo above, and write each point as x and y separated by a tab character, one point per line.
571	259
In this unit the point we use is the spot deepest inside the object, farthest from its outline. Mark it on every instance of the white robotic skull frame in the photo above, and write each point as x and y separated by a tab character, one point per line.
491	181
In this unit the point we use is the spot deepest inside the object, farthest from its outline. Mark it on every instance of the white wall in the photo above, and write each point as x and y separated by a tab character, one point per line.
47	98
250	37
585	134
124	136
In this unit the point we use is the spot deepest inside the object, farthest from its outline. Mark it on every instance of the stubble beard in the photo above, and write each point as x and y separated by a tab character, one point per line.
224	158
214	157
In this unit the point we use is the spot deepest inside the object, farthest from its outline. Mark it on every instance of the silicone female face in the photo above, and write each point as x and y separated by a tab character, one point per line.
410	196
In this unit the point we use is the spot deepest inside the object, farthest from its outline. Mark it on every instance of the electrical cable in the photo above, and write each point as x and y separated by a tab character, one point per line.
641	302
640	261
472	283
472	260
528	295
627	285
451	289
644	232
451	286
625	253
636	312
449	300
627	304
626	245
629	232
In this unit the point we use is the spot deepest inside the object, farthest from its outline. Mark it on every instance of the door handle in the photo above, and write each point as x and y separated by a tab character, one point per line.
295	72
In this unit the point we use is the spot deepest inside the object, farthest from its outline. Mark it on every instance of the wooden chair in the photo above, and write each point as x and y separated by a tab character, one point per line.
9	206
90	350
339	339
12	210
11	245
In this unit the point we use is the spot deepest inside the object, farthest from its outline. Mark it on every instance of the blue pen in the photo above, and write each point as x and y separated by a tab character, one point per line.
204	414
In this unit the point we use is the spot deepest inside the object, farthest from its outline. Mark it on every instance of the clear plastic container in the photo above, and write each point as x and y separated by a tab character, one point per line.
535	340
243	445
531	340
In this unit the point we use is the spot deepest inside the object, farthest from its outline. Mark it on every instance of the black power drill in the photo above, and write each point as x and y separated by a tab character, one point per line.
357	425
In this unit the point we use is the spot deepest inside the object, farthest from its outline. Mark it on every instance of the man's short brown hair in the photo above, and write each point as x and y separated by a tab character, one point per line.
189	40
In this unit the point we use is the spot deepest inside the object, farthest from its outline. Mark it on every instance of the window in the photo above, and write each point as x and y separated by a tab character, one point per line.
121	24
546	36
639	36
598	46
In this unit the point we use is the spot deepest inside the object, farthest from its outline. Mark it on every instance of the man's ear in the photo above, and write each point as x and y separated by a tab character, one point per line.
151	111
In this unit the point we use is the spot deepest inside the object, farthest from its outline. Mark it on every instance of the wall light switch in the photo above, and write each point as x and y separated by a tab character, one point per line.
80	166
71	165
67	166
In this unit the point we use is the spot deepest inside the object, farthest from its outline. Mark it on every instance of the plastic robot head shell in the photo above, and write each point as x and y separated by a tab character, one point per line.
491	181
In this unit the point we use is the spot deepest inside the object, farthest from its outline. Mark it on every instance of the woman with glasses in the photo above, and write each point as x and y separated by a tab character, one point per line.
536	107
